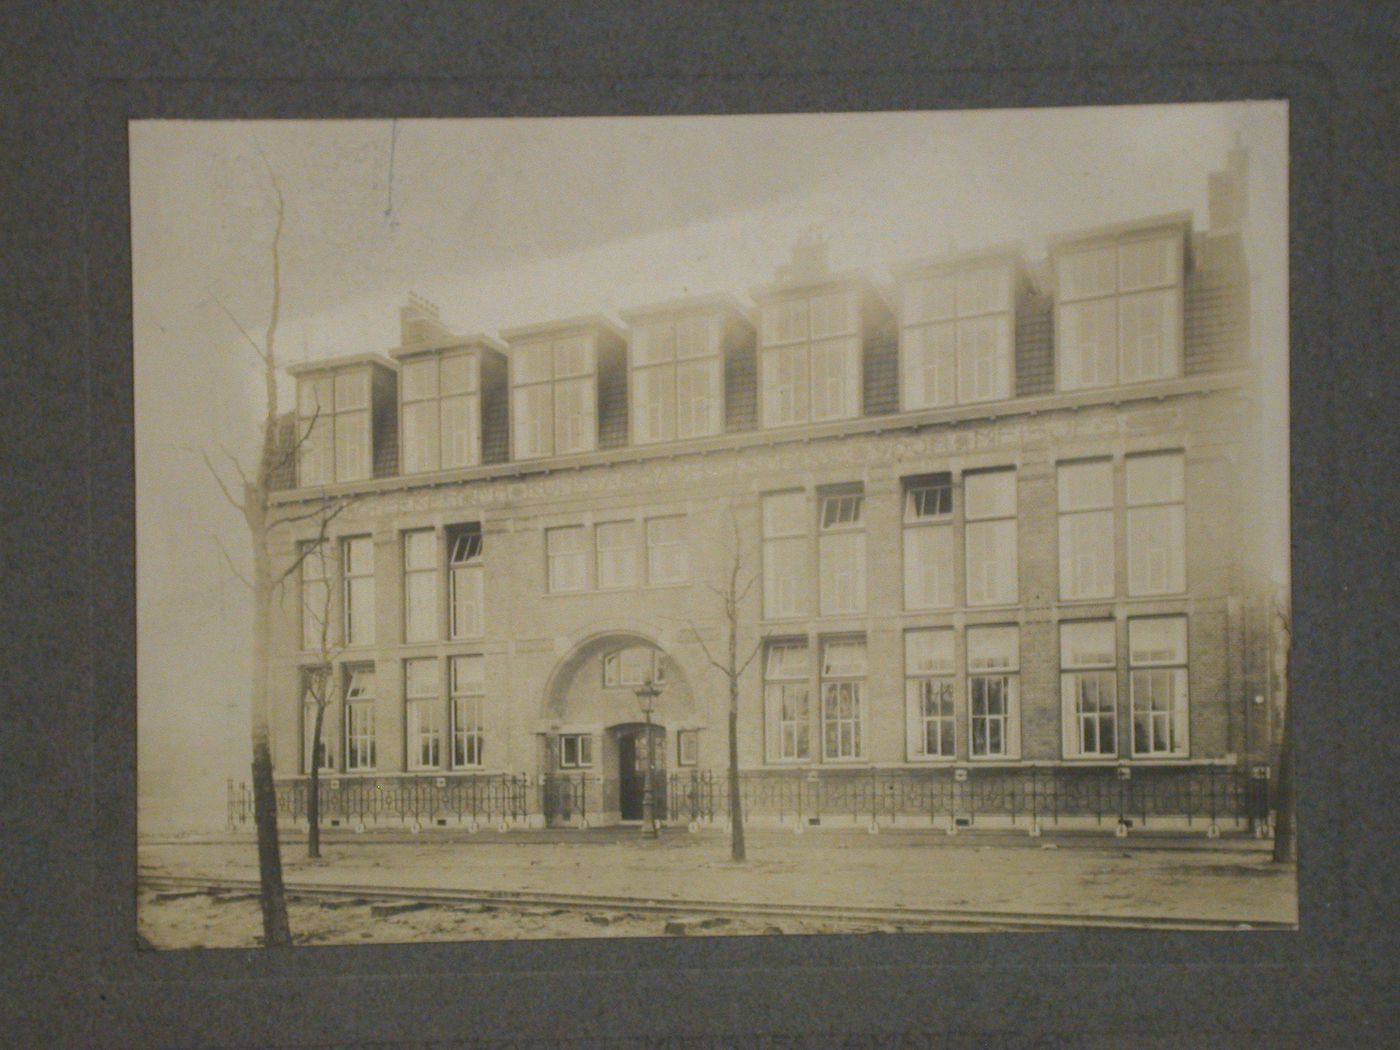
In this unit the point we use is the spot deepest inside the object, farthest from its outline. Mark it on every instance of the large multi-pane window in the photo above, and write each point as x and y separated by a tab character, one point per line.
554	397
989	509
1089	688
420	585
809	361
633	666
677	380
422	714
929	686
441	412
784	554
333	427
993	663
566	549
787	700
1158	684
359	720
468	685
956	338
357	570
616	543
315	596
928	542
843	700
1086	529
1156	492
1118	312
466	609
841	552
668	557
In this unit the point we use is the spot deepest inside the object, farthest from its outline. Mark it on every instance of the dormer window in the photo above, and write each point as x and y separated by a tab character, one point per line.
955	341
810	359
677	379
554	397
441	412
333	423
1118	311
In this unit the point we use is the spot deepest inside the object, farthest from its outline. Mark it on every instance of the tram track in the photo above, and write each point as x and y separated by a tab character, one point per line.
909	919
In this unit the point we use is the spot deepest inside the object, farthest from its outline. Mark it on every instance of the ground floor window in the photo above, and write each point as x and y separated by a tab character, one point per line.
1089	688
993	659
1158	684
928	677
687	747
843	697
575	751
359	720
468	688
787	699
423	714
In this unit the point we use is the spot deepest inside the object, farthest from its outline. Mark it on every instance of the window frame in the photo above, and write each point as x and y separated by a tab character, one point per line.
1172	510
944	341
552	558
424	575
789	534
784	352
582	747
780	731
416	736
857	720
917	718
466	547
1009	675
613	670
544	418
679	547
438	399
360	739
687	747
917	526
1100	668
841	534
1099	512
991	524
1178	715
629	525
354	583
469	693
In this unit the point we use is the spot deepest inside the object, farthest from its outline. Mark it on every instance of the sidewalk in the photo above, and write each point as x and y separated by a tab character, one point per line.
1177	877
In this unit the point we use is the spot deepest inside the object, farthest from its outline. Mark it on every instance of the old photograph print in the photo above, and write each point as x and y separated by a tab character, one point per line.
711	526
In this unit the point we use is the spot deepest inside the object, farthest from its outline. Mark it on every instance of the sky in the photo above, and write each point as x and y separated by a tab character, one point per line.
516	221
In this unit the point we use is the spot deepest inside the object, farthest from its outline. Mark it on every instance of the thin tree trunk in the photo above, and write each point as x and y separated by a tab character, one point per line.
313	801
276	929
736	807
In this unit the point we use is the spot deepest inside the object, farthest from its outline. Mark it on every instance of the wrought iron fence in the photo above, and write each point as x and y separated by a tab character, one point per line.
470	801
1208	795
1134	796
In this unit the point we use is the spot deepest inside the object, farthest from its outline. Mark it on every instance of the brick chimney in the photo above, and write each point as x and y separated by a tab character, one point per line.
420	322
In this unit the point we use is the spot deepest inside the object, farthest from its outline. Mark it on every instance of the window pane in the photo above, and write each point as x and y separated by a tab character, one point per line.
532	364
785	386
1156	479
843	659
993	648
991	562
1156	550
1086	273
468	615
930	299
990	494
573	357
1147	264
928	568
667	554
419	549
698	398
351	446
928	652
931	501
984	359
1086	555
1087	338
468	675
316	463
568	559
929	360
459	374
1086	486
983	291
653	404
784	514
459	430
842	557
784	577
1157	640
420	436
1088	644
653	343
574	403
419	379
1148	336
617	554
787	661
532	420
420	678
351	390
315	397
835	379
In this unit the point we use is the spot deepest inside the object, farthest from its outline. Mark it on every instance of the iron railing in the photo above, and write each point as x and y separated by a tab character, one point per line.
474	800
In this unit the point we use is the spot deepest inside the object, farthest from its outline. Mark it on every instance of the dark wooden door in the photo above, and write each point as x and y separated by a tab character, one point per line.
632	772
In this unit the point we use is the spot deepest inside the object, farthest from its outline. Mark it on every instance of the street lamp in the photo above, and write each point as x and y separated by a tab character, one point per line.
647	693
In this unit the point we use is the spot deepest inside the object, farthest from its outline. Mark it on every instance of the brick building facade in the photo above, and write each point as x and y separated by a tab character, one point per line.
990	511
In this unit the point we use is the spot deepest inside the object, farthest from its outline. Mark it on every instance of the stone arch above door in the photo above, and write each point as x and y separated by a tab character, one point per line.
578	694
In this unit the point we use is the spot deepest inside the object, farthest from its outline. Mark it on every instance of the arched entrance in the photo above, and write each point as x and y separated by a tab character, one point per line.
595	749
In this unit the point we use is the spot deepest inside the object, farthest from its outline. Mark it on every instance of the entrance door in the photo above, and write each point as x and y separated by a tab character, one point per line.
632	771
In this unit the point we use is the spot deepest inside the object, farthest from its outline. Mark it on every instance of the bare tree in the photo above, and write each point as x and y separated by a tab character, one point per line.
264	584
732	593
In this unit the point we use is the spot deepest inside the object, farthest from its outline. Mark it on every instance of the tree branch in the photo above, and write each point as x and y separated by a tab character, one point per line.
220	481
706	649
314	545
229	561
262	356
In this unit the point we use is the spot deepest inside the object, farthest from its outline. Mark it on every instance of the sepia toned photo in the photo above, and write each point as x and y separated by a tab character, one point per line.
712	526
